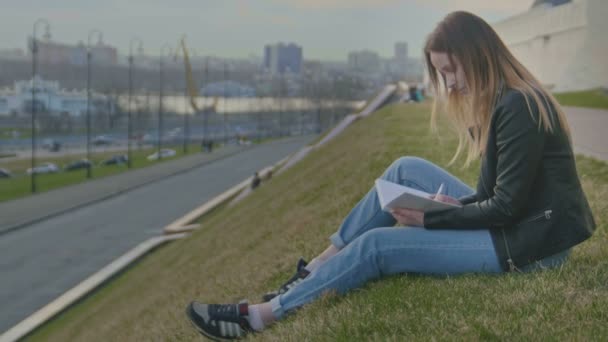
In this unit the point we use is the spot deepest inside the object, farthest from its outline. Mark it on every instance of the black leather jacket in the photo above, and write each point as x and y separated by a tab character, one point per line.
528	194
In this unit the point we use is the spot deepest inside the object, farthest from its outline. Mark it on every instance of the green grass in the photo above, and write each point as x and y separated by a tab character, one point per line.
243	251
7	133
596	98
19	185
7	155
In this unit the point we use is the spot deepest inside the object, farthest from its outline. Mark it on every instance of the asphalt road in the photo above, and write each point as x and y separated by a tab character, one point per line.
40	262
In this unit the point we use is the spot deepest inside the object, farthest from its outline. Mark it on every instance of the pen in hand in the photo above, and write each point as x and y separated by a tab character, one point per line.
439	191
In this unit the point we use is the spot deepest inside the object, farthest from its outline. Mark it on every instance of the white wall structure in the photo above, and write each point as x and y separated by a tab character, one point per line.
50	97
565	46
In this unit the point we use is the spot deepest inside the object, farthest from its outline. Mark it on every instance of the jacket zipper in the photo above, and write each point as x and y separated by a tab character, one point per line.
512	266
546	214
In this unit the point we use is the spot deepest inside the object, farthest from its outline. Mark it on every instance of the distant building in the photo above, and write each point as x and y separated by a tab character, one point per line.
50	52
365	61
12	54
49	98
399	63
281	58
401	51
562	42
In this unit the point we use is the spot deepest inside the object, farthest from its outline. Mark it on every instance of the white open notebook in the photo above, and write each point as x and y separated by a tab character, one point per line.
393	195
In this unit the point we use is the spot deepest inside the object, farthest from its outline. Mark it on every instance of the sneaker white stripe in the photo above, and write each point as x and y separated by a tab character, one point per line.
223	328
235	329
228	328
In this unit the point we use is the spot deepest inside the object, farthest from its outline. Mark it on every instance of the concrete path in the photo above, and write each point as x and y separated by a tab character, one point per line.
589	131
41	261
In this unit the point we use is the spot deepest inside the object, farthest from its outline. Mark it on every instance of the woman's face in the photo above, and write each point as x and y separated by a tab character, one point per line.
453	73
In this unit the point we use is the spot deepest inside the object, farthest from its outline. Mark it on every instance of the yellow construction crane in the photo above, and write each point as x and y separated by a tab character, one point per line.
190	84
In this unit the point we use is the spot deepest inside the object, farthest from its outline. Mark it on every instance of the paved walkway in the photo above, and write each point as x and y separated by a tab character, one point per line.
17	213
589	131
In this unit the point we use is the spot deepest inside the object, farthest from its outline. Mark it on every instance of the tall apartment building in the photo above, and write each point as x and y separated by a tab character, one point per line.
281	58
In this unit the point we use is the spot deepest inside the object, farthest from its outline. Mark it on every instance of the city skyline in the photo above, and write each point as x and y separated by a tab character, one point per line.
327	30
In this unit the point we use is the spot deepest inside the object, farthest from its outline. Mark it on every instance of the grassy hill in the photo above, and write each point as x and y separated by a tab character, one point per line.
248	249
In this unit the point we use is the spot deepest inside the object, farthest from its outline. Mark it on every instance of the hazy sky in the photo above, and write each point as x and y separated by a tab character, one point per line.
326	29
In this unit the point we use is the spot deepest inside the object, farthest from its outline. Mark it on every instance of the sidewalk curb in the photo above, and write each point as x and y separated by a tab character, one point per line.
70	297
23	224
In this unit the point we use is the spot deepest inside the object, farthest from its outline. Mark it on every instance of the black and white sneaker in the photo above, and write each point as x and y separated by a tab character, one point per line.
301	274
220	322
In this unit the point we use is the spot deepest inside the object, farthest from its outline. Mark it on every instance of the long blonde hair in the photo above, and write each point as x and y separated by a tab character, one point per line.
488	65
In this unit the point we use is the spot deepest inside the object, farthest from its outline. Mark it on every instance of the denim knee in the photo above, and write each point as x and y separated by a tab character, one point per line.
367	249
411	170
408	162
368	242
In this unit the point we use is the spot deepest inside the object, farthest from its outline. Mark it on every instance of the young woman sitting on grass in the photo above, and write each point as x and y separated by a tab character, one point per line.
526	214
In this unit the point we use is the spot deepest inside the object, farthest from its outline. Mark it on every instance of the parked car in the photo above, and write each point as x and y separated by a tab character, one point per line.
102	140
43	168
116	160
4	173
51	145
78	164
164	153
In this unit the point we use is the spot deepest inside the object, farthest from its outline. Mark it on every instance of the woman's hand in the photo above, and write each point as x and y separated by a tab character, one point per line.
446	199
408	217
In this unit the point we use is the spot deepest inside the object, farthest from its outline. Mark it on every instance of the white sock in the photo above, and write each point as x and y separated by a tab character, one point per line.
255	318
314	264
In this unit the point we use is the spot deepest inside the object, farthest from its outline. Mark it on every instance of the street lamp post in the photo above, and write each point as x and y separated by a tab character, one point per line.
225	105
34	70
89	58
129	117
258	116
318	95
186	133
186	138
160	97
205	110
333	99
280	105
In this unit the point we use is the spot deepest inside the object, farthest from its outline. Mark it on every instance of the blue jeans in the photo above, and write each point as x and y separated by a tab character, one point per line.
370	247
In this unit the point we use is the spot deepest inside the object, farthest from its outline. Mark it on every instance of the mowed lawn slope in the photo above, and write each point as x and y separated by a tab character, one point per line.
243	251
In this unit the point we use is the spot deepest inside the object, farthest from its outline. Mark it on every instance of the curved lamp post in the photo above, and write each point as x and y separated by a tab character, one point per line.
160	96
186	134
225	109
205	110
130	116
89	58
193	53
34	70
